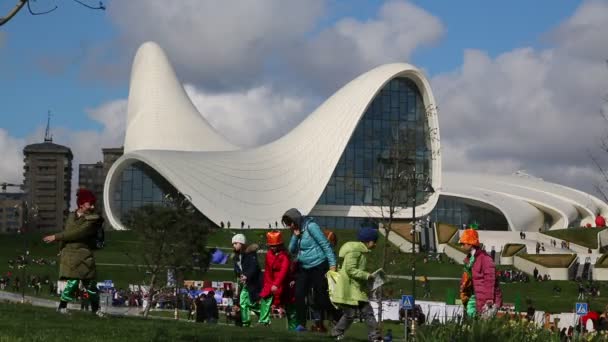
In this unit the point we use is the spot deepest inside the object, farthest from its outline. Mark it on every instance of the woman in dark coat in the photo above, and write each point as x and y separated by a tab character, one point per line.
77	262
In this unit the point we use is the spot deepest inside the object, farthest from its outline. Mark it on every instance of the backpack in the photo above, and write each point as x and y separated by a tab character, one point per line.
331	237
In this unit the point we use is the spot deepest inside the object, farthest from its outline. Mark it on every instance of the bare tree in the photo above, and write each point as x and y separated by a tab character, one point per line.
21	3
170	238
400	178
601	187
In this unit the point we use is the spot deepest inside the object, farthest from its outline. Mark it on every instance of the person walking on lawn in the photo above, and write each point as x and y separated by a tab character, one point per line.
350	291
479	287
77	262
314	258
248	272
277	291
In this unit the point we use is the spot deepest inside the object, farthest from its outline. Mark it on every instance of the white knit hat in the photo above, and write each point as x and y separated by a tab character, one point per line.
239	238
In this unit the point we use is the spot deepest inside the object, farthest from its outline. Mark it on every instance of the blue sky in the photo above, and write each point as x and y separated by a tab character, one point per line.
76	63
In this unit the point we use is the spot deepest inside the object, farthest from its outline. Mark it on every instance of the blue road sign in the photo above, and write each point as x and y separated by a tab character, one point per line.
407	302
581	309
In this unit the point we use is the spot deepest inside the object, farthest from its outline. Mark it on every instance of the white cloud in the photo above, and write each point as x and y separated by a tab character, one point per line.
252	117
219	43
11	168
352	46
530	109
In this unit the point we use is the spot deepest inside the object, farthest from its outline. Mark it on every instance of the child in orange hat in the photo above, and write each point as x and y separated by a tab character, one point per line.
277	277
478	286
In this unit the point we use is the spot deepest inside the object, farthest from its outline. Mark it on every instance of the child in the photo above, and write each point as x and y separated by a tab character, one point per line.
277	278
249	274
351	289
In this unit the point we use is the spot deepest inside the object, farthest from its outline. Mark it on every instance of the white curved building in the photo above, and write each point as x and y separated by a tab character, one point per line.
327	166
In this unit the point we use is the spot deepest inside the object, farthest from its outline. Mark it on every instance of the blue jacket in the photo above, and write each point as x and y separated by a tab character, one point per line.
311	248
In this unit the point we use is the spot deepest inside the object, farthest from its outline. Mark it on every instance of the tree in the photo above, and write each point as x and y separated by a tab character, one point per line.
171	237
21	3
399	180
601	188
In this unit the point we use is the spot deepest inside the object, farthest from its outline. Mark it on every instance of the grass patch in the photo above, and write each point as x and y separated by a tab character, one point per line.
602	261
510	249
445	232
550	260
20	322
586	237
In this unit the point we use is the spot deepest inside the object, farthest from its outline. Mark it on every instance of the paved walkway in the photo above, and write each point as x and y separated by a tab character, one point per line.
48	303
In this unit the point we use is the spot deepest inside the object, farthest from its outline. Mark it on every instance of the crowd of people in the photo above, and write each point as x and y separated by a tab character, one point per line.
294	281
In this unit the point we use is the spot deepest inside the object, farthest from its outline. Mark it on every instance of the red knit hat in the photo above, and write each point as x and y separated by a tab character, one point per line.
85	195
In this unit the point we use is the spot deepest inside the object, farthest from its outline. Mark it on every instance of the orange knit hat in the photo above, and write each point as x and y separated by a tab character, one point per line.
274	238
469	236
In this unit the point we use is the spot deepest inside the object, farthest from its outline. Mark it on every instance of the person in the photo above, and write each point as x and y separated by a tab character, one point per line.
535	273
426	286
248	272
350	291
77	263
530	311
600	221
200	314
277	291
314	258
479	286
209	304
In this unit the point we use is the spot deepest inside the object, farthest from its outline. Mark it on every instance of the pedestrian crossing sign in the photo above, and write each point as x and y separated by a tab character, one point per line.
407	302
581	309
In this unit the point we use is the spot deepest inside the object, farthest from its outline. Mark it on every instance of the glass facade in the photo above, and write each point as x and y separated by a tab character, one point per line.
139	185
395	116
458	211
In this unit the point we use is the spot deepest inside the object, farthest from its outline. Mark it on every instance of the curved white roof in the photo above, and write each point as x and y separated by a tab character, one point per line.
524	200
255	185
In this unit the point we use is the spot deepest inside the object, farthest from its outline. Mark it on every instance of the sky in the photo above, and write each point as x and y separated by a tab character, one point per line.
520	85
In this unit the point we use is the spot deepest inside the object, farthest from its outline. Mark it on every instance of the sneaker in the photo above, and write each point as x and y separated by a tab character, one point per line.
339	337
99	314
300	328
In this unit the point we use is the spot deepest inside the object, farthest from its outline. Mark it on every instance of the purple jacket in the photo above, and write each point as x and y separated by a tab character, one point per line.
485	283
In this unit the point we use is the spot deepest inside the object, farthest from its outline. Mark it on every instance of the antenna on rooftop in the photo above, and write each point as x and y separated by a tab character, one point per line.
47	134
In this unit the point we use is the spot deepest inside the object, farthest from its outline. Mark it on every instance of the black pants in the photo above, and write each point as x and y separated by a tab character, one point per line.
313	279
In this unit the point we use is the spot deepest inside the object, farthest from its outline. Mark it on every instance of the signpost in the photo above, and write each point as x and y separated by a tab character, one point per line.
407	302
581	309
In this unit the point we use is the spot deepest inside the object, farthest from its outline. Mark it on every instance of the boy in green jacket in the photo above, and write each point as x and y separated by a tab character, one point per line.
351	290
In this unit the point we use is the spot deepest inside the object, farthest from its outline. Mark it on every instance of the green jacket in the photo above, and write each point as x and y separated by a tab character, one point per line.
351	282
77	260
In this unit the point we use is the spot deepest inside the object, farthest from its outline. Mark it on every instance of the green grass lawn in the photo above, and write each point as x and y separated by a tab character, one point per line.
510	249
20	322
586	237
550	260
